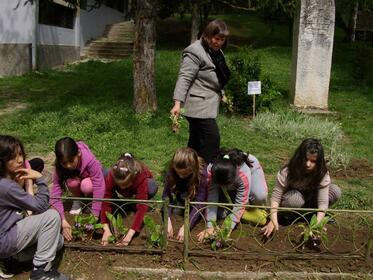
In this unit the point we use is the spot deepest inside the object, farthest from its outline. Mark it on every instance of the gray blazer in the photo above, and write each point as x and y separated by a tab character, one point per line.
197	86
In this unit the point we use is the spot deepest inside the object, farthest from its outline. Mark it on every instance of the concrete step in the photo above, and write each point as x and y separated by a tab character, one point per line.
116	43
111	51
113	45
107	55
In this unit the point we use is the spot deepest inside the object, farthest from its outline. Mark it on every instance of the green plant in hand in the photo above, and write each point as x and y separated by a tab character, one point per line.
117	227
85	226
221	237
155	234
176	121
314	232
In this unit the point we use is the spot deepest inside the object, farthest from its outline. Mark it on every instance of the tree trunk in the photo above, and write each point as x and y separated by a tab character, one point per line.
195	21
144	57
353	21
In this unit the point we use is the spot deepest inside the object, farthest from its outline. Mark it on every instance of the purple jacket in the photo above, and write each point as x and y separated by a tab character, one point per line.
13	201
89	167
181	193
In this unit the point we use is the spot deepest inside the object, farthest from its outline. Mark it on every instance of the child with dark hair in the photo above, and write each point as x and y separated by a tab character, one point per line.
130	178
235	177
25	237
78	170
303	182
186	178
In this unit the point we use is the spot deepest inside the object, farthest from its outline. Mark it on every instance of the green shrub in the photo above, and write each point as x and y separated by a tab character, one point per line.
293	127
244	68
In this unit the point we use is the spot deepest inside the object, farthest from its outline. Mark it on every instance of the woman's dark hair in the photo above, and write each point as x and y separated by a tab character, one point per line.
224	168
297	165
127	167
65	150
186	158
216	27
8	151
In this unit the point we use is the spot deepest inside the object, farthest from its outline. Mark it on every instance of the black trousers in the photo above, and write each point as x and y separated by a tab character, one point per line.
204	137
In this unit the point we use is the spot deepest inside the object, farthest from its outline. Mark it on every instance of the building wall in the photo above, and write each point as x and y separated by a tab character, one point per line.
93	22
49	56
15	59
53	35
16	33
16	23
55	45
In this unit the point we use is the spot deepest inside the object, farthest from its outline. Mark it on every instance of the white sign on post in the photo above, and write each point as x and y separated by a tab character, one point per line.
254	88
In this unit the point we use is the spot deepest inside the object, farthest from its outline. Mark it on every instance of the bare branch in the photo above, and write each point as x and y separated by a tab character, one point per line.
237	7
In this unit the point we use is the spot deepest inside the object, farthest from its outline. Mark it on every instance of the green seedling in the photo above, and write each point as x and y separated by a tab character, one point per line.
85	226
155	235
314	233
221	237
117	227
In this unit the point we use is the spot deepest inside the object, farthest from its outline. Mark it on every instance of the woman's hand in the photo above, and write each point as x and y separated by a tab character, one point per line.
66	230
180	235
224	99
175	111
205	233
106	235
268	229
170	230
26	173
127	239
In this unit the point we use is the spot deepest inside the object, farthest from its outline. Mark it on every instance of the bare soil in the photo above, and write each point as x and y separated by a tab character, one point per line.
358	168
249	253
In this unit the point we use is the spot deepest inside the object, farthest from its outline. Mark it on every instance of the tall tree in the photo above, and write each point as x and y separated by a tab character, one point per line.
353	21
144	57
195	21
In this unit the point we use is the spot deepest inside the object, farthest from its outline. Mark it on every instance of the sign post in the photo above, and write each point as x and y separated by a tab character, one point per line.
254	88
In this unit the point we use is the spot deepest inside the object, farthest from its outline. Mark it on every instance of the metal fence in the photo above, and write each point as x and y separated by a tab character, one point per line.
348	233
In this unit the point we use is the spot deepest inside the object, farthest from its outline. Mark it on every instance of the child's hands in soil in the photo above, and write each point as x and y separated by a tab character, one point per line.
269	228
205	233
180	235
127	239
66	230
106	235
170	230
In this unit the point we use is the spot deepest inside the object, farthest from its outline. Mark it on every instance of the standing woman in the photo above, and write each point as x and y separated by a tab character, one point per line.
199	88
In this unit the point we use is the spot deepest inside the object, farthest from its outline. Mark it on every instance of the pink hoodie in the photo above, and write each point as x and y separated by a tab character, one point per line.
89	167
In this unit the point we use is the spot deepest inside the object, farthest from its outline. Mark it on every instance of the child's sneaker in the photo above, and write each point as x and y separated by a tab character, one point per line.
41	274
4	274
76	208
255	216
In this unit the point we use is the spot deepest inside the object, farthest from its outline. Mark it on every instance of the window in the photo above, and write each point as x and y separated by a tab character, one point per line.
57	15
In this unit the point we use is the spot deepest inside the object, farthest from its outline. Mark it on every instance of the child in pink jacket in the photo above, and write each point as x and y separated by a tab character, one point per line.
78	170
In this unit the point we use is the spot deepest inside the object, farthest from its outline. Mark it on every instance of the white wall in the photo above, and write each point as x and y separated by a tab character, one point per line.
16	24
53	35
93	23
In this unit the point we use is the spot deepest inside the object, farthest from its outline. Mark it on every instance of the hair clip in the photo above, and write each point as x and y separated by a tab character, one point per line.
123	169
226	157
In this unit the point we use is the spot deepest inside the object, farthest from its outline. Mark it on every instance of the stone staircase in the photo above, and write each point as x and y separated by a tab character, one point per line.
116	43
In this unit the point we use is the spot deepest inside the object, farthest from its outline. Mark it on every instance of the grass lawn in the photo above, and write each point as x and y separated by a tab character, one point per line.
93	101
